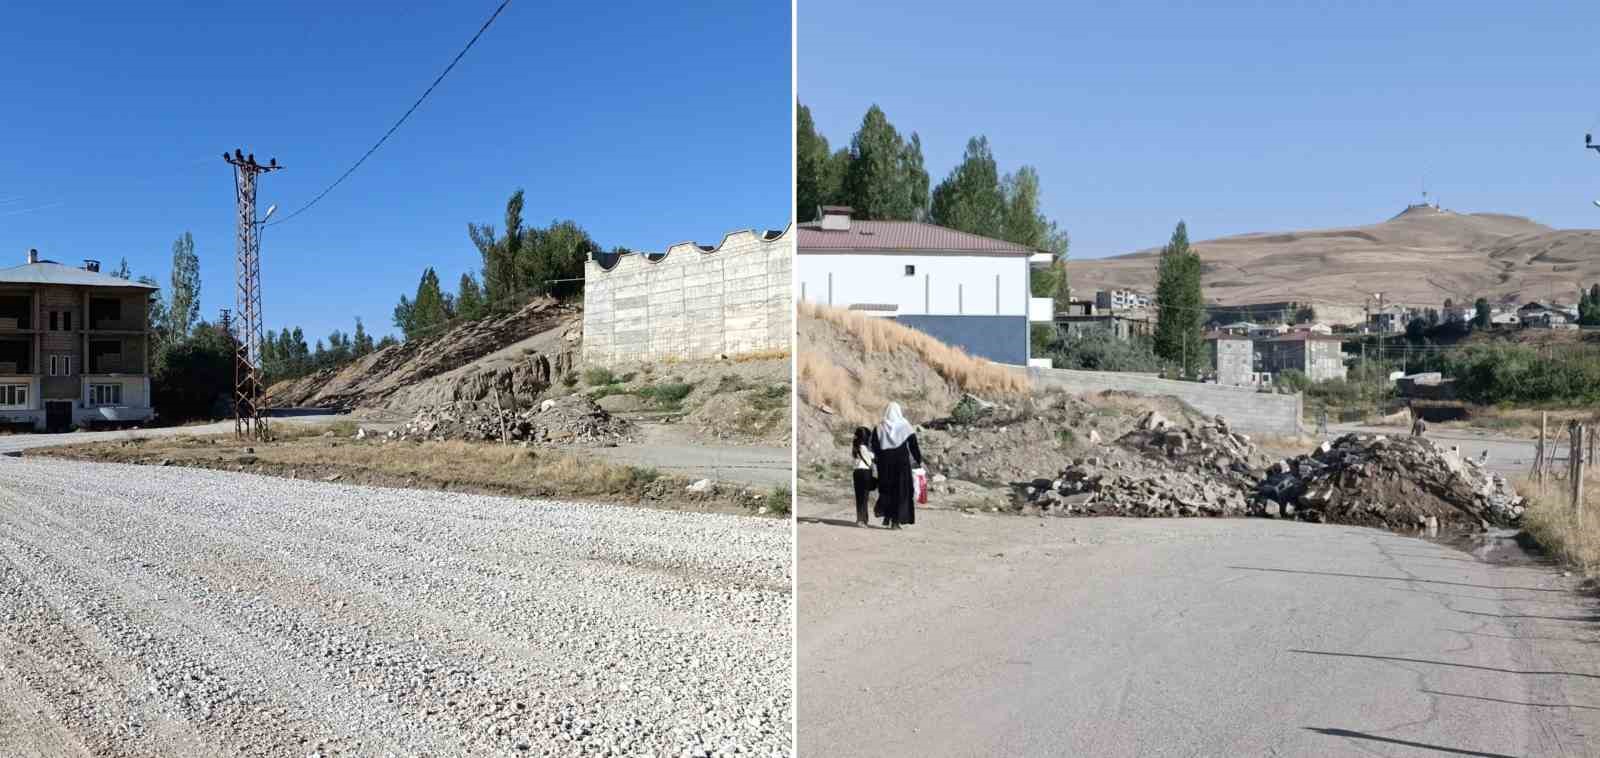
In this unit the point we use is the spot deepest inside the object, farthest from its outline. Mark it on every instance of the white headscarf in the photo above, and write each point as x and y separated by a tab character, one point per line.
895	429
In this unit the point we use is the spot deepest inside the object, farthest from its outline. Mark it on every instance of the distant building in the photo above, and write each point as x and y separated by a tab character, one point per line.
965	290
1318	328
1233	357
1123	327
1319	356
74	346
1121	300
1265	331
1391	319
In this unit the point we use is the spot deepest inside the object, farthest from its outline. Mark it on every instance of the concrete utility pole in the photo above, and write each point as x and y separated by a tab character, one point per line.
247	387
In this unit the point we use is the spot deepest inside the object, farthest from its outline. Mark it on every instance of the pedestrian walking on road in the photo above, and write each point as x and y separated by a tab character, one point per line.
1322	421
1418	426
861	457
894	449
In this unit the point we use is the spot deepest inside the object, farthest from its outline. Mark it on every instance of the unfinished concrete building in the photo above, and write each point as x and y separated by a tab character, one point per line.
691	302
74	346
1319	356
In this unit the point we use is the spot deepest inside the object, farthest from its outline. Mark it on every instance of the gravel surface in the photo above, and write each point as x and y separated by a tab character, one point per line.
165	611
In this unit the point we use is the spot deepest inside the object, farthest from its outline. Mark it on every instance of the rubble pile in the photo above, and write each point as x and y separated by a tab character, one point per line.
572	420
1158	469
1208	449
1131	486
1394	482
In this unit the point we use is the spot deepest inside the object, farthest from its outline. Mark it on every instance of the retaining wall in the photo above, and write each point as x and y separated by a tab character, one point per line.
691	302
1245	409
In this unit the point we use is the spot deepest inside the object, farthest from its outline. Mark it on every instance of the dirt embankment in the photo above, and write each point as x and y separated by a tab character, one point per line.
528	346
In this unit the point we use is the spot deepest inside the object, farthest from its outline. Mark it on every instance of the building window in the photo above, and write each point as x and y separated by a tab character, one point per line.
911	270
14	395
61	365
66	320
105	394
55	321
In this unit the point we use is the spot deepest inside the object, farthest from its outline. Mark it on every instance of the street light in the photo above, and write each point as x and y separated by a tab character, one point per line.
270	210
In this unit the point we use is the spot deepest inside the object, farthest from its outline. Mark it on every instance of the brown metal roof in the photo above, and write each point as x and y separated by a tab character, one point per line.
901	237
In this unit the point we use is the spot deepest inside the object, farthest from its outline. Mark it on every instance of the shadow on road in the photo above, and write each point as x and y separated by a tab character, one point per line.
1398	579
1579	619
1508	702
830	522
1408	743
1399	659
1520	637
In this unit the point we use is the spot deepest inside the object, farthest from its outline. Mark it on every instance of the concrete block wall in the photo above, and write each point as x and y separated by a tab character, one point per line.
691	302
1245	409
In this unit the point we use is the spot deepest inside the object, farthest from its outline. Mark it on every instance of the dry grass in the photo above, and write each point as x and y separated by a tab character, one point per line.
452	466
824	384
1551	521
974	375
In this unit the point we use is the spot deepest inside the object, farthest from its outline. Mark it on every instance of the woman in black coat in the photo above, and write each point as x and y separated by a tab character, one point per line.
894	449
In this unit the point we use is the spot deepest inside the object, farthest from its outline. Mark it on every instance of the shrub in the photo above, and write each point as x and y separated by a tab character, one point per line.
598	376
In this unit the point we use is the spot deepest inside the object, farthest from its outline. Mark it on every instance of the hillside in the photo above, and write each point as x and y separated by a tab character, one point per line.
1419	257
432	370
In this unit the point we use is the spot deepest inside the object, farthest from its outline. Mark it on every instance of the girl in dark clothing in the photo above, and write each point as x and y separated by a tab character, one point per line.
861	459
894	448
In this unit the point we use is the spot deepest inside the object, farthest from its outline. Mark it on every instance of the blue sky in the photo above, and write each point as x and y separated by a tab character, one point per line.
1238	117
648	123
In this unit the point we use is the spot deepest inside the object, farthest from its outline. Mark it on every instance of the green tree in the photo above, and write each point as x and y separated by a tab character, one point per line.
158	314
885	178
469	298
500	253
553	254
404	312
192	378
1481	313
1179	305
429	309
184	311
970	199
361	343
819	173
122	271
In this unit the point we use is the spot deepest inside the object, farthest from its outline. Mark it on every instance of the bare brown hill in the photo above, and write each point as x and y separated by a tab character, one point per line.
1419	257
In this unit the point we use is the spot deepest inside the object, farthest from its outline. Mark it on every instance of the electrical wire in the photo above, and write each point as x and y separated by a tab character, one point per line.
402	120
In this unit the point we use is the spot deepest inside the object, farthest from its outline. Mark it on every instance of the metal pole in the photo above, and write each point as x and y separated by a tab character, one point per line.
247	384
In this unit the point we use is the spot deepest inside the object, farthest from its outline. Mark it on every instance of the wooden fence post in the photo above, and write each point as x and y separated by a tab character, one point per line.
1576	457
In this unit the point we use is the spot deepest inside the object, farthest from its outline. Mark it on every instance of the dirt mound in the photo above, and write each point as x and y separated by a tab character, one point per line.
850	366
1401	483
570	420
464	363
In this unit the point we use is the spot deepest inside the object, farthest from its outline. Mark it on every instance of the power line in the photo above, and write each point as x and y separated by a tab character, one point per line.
402	120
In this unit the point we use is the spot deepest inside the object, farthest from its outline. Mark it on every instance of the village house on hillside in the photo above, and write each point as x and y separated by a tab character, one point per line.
74	346
965	290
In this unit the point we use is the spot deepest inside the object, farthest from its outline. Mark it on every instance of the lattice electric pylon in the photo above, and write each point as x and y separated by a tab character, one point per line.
248	420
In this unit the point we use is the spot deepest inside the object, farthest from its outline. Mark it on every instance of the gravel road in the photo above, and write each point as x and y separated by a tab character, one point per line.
1001	635
165	611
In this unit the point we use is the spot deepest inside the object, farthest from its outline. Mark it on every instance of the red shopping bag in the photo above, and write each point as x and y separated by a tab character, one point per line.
920	475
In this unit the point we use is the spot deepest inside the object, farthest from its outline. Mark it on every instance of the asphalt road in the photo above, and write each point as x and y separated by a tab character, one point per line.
150	611
970	635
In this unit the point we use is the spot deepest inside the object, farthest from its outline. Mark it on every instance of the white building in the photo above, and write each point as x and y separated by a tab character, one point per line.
968	291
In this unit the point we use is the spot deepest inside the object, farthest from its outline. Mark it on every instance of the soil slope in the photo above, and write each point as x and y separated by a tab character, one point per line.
1420	257
423	372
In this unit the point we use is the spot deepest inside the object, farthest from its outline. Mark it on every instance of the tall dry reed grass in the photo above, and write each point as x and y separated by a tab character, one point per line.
971	374
1552	522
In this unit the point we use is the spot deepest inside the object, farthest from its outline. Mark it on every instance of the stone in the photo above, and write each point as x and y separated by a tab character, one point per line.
700	487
